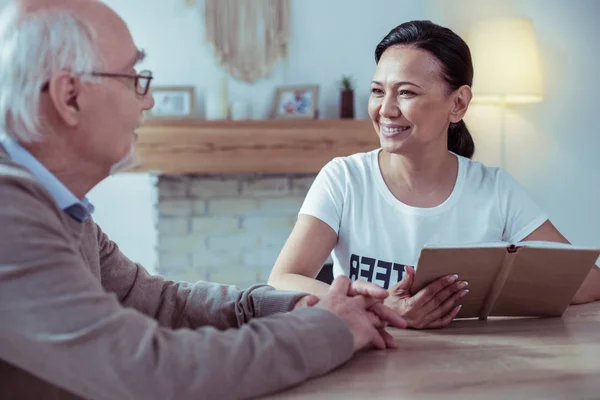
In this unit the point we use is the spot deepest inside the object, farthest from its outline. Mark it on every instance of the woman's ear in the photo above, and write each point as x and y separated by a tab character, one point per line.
461	100
64	90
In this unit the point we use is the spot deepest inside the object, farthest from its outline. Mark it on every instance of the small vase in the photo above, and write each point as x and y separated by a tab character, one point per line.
216	104
347	104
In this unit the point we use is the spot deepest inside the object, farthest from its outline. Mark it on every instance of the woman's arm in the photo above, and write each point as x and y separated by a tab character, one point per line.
590	289
303	256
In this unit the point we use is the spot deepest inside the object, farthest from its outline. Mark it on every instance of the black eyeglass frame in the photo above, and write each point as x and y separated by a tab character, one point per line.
145	75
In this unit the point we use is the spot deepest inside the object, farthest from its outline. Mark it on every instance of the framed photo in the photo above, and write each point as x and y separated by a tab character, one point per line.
173	102
296	102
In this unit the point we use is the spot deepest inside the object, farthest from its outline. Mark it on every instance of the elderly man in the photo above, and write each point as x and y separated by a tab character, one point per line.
77	318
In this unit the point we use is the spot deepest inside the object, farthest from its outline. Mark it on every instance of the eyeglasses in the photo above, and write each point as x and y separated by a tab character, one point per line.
142	80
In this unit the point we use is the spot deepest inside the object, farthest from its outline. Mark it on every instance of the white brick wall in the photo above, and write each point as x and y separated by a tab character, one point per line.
215	225
175	208
173	226
284	206
268	223
300	186
226	229
173	187
265	187
209	187
234	206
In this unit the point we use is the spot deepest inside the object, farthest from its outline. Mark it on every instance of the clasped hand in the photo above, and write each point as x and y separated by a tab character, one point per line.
360	305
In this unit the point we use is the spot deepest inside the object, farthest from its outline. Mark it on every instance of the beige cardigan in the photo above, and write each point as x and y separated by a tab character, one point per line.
80	320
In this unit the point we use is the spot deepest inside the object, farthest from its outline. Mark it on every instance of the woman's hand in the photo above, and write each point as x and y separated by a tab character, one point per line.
434	306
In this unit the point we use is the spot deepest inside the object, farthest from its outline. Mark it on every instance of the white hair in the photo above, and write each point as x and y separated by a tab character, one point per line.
33	48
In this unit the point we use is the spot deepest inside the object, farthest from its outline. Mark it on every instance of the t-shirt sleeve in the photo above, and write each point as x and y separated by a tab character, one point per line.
325	198
520	212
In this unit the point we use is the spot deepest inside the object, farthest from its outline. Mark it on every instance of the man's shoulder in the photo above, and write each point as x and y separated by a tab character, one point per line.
14	177
20	191
14	171
10	169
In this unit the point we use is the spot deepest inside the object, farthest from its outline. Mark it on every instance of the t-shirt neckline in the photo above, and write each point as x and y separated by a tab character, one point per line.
390	198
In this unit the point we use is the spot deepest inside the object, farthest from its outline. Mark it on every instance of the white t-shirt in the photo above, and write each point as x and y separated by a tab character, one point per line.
378	235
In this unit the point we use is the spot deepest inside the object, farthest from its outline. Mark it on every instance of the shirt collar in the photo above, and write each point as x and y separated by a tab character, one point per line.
64	198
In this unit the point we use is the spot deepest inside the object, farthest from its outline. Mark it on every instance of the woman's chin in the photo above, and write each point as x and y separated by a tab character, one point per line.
392	146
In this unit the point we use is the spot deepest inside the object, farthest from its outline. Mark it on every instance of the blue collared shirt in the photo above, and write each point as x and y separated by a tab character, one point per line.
66	200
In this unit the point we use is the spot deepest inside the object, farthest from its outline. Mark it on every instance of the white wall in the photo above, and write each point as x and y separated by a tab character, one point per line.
329	38
554	145
125	209
557	139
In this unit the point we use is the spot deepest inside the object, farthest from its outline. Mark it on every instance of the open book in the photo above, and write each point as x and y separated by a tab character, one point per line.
537	279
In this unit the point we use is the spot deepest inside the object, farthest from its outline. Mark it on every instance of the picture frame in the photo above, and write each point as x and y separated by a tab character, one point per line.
173	102
296	102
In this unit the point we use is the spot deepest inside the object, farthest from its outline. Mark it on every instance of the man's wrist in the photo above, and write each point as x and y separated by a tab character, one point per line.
299	302
307	300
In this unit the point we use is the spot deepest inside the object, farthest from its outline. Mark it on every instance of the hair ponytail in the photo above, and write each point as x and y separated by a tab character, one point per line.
460	140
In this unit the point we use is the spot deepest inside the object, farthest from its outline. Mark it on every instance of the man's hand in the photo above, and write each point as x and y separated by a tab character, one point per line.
435	306
364	324
367	289
387	315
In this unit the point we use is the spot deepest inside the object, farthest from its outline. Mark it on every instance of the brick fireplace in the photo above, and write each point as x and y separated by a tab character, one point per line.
225	228
229	191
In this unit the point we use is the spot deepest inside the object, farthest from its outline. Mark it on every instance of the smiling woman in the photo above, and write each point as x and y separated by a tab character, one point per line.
436	96
375	211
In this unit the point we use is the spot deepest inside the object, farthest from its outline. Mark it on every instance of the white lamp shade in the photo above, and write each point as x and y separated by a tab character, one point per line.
506	61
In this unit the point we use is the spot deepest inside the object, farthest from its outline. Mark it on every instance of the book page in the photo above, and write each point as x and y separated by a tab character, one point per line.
543	281
476	245
553	245
479	266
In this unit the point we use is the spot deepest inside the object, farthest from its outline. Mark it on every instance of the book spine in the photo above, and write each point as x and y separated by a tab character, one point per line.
499	282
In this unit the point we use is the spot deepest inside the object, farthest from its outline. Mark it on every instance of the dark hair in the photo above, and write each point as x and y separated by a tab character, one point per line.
457	68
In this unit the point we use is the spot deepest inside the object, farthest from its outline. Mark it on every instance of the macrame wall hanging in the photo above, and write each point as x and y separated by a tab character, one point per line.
248	36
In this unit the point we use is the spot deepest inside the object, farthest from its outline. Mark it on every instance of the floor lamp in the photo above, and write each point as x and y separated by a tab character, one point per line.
507	66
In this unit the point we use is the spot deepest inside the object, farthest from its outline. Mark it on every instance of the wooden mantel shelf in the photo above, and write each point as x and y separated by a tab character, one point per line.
270	146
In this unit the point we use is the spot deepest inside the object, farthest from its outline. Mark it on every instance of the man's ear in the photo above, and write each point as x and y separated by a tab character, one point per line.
64	91
461	100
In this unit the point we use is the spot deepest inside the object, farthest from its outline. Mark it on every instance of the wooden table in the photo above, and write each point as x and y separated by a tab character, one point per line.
554	358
